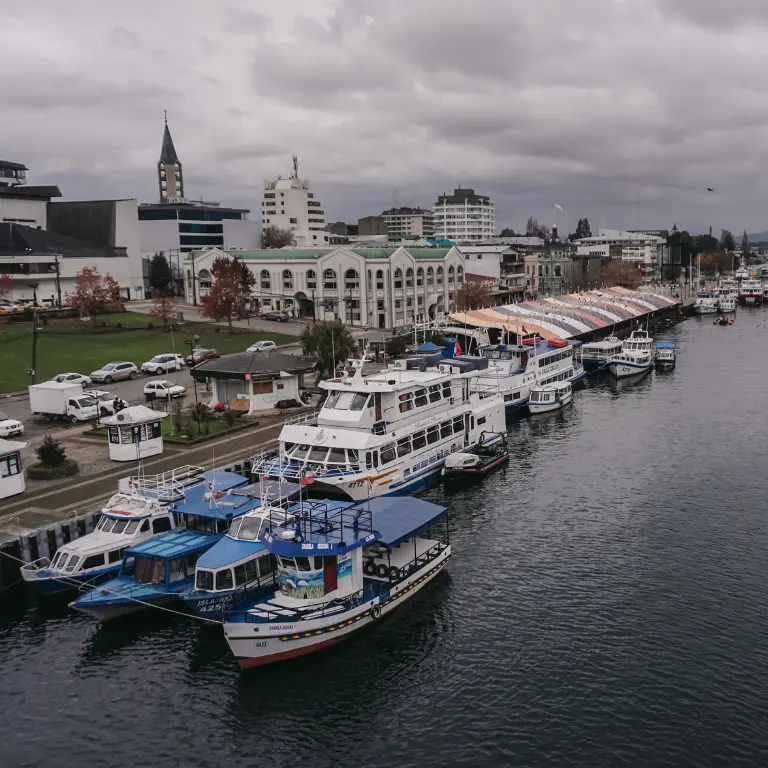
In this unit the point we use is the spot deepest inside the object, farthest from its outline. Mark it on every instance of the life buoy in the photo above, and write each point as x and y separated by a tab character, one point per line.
375	612
394	573
369	568
382	571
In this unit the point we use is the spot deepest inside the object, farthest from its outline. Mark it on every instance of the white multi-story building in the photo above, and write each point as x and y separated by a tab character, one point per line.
288	204
646	251
373	287
408	222
464	217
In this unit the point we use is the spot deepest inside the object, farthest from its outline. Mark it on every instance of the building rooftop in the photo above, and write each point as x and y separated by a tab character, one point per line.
312	254
13	166
405	211
26	191
461	196
258	364
19	240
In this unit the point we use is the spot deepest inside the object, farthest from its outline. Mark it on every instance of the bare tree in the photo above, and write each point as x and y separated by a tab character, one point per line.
274	237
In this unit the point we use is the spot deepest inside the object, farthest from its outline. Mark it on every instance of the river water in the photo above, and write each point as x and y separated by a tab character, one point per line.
606	605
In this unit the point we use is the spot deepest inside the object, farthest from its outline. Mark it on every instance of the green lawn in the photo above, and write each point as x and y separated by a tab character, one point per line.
72	345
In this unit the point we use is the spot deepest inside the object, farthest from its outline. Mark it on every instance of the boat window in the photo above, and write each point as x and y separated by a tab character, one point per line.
352	455
249	529
300	452
337	456
419	441
434	393
359	401
235	527
240	575
252	569
119	526
224	579
318	563
115	556
446	389
433	434
93	561
368	460
131	527
158	570
303	564
204	580
161	525
288	447
403	447
534	397
406	402
108	524
72	562
388	453
318	453
266	565
344	400
143	569
458	425
421	398
98	525
330	401
445	429
144	526
516	396
129	565
287	562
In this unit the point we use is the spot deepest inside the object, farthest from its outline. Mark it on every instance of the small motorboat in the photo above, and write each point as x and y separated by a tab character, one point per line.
489	453
665	354
550	397
723	321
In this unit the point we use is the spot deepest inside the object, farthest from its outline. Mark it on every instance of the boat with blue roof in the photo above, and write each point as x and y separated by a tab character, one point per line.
338	572
665	354
136	513
159	570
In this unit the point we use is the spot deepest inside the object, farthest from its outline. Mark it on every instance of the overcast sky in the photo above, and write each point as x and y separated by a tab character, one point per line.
584	103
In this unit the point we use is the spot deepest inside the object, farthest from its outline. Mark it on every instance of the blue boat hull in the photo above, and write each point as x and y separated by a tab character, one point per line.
51	585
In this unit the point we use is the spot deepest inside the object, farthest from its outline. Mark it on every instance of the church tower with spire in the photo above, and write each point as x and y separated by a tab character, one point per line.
169	176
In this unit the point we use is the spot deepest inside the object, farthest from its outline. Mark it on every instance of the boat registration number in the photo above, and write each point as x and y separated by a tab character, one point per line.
260	644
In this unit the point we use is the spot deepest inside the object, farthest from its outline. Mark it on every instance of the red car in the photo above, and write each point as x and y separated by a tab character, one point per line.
200	355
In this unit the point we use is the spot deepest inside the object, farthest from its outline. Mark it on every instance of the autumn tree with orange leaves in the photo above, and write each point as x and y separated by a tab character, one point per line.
93	292
6	286
230	293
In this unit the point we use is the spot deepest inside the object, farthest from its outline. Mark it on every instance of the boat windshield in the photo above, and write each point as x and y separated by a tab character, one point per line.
247	528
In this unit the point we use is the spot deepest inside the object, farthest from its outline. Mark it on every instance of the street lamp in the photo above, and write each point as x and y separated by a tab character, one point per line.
191	342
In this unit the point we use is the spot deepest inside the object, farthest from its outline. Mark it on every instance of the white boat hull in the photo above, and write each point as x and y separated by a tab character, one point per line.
621	370
263	643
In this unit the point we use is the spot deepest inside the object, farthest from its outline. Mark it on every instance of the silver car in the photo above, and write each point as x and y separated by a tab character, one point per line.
115	372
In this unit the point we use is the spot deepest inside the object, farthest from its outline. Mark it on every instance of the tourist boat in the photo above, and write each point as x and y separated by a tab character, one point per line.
338	573
726	304
159	570
706	303
665	354
387	433
513	369
491	452
639	341
137	512
751	293
597	353
550	397
630	363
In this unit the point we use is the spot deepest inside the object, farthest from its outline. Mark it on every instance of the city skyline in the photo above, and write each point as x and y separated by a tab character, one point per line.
620	112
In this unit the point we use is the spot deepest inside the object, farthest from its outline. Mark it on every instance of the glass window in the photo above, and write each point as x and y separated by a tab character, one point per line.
403	447
388	453
433	434
144	526
421	397
318	563
240	575
318	453
93	561
398	278
161	525
224	579
458	424
446	389
344	400
329	279
266	566
419	440
445	429
406	402
359	401
303	564
73	561
116	555
249	529
330	401
252	569
434	393
352	455
337	456
131	527
204	580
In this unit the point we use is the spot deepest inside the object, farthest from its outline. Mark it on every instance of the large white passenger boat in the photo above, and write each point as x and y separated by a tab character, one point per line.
513	369
597	353
387	433
636	356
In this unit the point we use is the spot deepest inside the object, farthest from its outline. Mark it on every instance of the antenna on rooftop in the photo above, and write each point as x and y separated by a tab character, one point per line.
295	167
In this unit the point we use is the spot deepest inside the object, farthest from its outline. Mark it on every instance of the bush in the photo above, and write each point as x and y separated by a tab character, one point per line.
150	326
50	453
191	429
229	417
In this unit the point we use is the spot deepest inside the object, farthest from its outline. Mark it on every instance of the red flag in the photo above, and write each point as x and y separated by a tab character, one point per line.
525	330
457	349
308	480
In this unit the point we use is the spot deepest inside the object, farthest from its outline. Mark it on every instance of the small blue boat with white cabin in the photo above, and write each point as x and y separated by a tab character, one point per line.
240	566
665	355
159	570
338	572
136	513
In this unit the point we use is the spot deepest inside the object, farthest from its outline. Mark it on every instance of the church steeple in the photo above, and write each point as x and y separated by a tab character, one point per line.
169	175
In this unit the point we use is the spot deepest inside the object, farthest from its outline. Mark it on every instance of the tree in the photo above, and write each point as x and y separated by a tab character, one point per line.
744	247
162	307
159	273
714	262
93	292
507	232
230	294
331	342
274	237
50	453
474	294
6	285
726	242
534	229
618	272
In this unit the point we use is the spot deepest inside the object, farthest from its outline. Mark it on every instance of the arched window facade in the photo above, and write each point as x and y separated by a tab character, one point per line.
409	278
351	280
204	276
266	283
430	276
311	279
287	280
558	271
329	280
398	278
419	277
440	274
459	274
451	274
370	282
379	280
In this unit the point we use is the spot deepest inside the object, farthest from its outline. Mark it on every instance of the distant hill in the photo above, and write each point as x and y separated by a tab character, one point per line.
757	237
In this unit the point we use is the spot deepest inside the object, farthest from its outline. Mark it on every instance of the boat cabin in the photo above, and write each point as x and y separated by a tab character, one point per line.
598	352
638	341
550	393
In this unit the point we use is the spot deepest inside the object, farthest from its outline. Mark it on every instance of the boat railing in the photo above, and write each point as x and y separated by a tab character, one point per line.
173	483
310	417
268	612
36	565
420	561
276	466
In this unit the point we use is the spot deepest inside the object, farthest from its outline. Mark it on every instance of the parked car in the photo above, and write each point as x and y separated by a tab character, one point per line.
73	378
278	315
262	346
10	427
115	372
163	389
161	364
107	401
200	355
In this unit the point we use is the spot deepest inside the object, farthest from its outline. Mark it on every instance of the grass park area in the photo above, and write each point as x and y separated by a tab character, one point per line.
69	344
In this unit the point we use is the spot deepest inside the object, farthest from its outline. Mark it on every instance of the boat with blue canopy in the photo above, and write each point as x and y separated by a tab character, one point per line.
665	354
337	572
159	570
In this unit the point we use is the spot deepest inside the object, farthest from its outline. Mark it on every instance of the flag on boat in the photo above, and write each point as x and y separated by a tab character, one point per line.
525	330
457	348
307	479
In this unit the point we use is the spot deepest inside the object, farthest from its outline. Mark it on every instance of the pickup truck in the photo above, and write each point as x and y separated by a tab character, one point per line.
62	400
